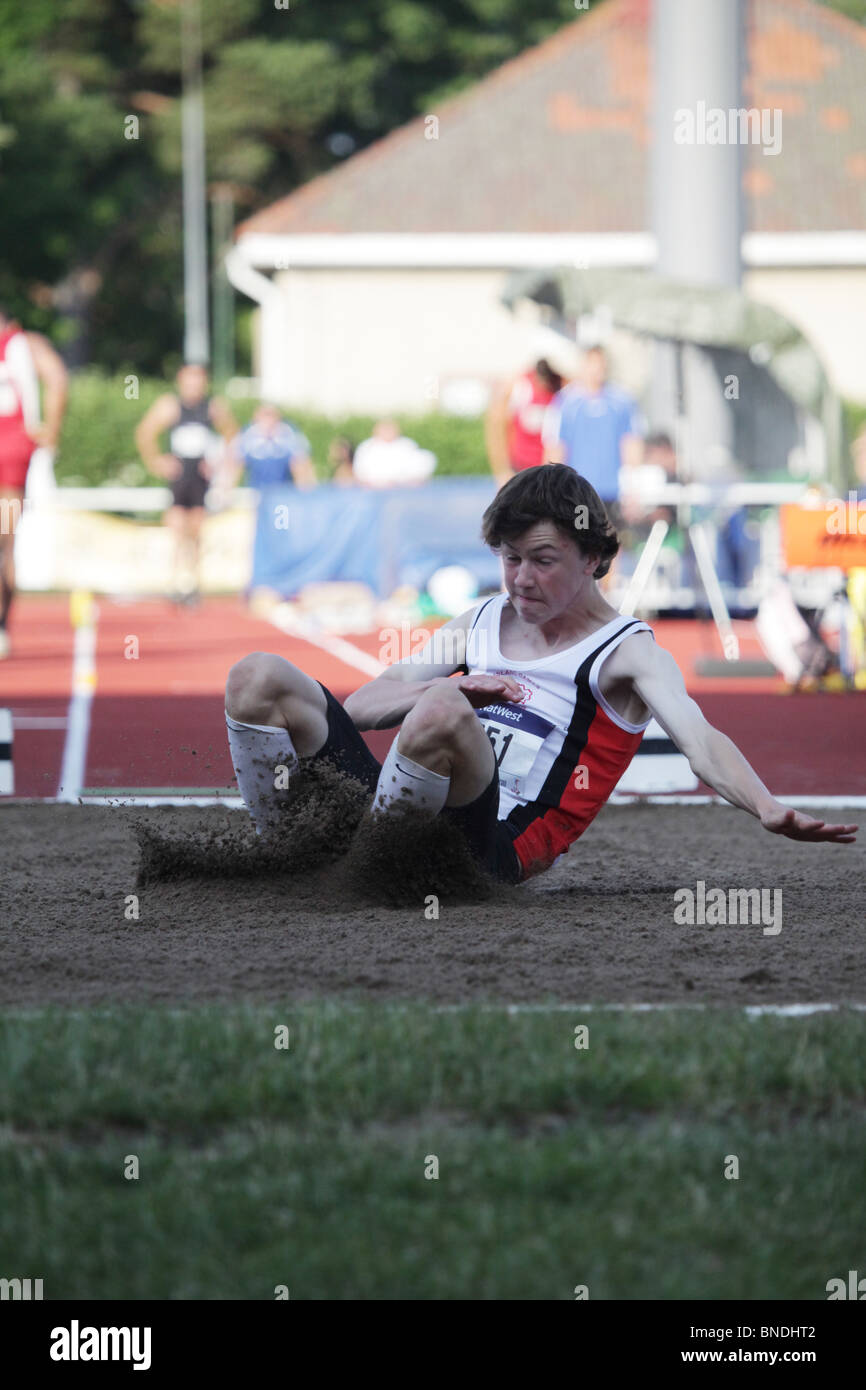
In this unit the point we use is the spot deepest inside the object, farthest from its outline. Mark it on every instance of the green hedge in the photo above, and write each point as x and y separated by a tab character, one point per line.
98	444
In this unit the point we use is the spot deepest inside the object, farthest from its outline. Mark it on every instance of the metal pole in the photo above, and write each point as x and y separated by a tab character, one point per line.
645	566
196	345
713	590
222	220
696	190
696	185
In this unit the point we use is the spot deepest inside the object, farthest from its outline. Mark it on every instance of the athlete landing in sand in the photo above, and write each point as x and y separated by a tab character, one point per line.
525	745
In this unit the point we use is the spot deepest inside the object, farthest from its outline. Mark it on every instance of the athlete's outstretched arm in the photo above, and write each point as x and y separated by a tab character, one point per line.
54	378
383	703
712	755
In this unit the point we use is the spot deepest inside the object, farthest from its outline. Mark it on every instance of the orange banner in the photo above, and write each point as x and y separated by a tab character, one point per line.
821	537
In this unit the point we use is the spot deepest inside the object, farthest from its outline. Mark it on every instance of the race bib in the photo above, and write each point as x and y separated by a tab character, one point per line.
190	441
517	735
8	397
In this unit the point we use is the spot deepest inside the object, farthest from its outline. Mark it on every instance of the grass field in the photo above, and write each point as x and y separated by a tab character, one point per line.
305	1166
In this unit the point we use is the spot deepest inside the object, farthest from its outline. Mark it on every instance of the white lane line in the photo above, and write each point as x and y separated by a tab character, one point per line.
34	721
295	626
78	717
630	799
123	800
751	1010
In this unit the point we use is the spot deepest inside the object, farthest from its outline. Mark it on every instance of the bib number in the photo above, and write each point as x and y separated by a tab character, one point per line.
516	736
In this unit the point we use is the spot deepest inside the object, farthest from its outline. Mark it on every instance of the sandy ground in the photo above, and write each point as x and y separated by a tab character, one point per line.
599	926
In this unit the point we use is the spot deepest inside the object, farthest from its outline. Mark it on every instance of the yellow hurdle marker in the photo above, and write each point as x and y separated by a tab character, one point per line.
82	609
82	615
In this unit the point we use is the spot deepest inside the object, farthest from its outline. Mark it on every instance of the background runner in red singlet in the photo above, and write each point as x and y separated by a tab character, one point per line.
512	426
26	360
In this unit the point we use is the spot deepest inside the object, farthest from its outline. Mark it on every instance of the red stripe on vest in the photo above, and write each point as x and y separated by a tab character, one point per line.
606	755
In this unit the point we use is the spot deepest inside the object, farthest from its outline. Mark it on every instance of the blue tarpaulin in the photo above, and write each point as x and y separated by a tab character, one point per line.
382	538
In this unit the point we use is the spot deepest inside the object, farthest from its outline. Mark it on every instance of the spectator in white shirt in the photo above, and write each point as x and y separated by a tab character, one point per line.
390	459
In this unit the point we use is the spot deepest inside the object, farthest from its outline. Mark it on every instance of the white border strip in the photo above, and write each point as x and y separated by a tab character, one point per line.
702	799
234	802
402	1006
295	626
503	250
751	1010
29	722
390	250
618	799
78	726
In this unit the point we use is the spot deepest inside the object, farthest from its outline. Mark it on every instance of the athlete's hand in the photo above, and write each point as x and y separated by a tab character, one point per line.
784	820
484	690
167	466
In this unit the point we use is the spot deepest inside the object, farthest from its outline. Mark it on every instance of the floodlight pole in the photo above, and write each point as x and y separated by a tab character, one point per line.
696	201
222	223
696	189
196	343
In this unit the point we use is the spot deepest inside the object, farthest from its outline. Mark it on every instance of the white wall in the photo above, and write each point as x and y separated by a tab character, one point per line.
372	341
378	340
829	306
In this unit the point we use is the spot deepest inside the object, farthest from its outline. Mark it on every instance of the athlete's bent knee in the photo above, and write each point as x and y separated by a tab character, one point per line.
442	716
255	684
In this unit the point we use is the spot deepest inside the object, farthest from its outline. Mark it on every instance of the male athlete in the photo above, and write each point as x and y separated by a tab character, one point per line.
194	421
523	747
26	361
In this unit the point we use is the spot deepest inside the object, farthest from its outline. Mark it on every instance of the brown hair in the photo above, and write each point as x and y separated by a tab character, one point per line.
550	379
552	492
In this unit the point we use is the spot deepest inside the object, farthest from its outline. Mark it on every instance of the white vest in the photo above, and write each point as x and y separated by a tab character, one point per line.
527	738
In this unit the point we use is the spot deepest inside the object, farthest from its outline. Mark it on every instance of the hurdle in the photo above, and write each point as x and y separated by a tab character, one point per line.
7	769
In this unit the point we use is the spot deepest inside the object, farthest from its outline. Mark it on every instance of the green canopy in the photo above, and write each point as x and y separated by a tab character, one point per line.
707	316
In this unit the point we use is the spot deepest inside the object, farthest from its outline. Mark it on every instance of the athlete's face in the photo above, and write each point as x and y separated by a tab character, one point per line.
594	370
192	384
544	572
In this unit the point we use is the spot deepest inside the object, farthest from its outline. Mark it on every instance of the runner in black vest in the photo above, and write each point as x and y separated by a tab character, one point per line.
191	442
194	421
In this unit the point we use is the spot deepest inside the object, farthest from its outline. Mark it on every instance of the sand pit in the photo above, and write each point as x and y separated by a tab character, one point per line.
599	926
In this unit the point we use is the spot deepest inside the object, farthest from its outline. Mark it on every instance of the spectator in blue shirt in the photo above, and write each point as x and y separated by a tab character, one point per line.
274	451
595	428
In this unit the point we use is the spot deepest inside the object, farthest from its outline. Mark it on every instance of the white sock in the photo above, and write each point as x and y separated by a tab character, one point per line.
264	760
402	782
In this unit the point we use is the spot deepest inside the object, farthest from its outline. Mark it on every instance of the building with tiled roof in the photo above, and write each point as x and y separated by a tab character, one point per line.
380	281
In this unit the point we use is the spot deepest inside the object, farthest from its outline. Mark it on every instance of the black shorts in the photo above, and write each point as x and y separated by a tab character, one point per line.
488	837
188	491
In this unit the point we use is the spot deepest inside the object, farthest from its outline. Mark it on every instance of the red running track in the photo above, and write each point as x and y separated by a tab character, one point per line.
157	719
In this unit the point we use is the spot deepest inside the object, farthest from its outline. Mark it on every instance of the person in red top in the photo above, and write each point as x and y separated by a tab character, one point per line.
512	426
26	360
